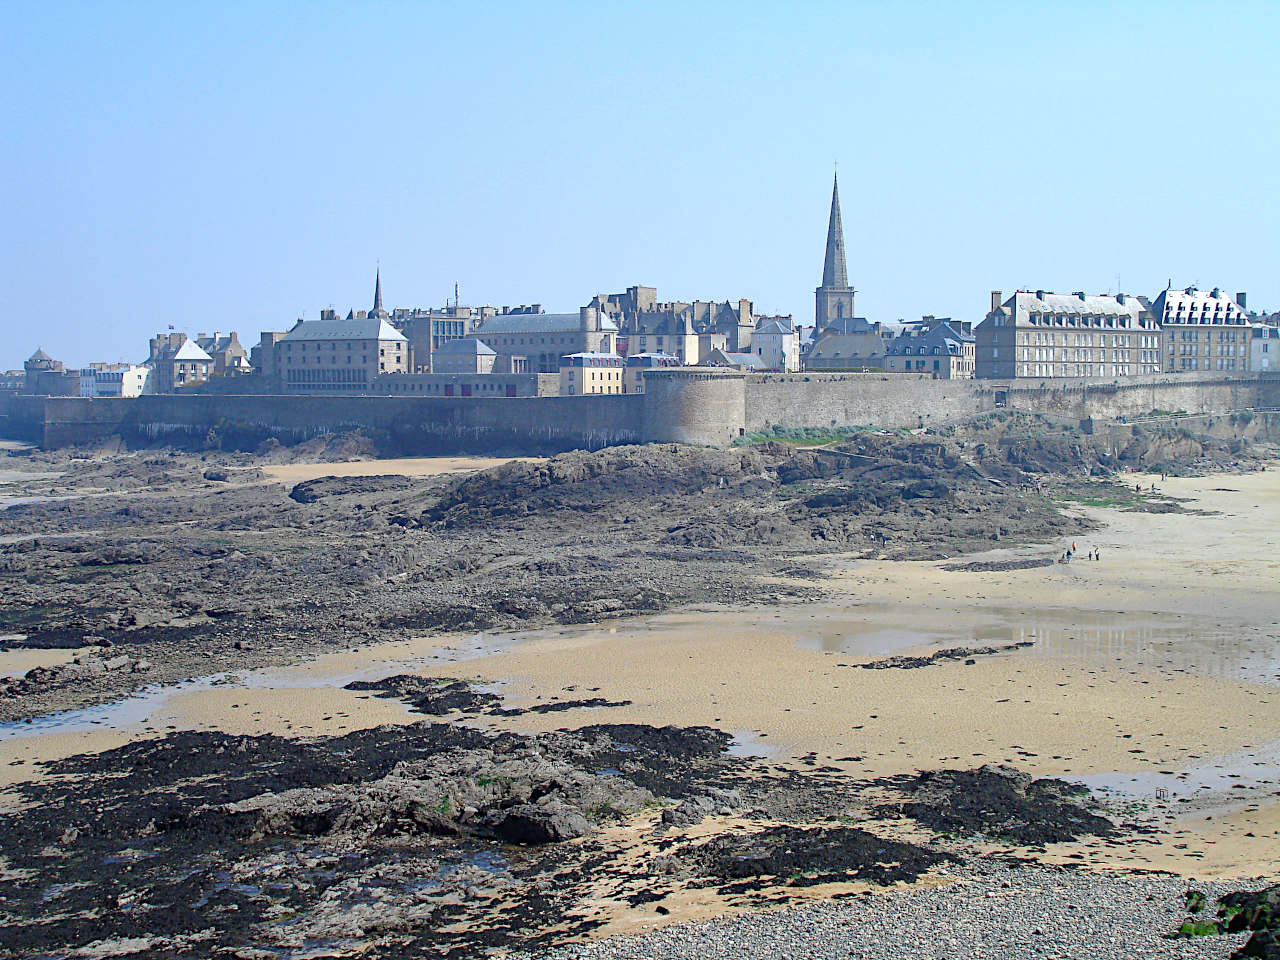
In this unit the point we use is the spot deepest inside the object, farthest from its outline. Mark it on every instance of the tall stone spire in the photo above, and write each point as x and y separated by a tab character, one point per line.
834	271
377	286
833	300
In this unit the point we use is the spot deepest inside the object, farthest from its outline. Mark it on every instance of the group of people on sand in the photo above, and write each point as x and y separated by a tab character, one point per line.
1094	553
1137	487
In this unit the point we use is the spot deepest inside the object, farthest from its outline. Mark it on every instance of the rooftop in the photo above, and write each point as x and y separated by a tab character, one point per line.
190	350
367	329
775	325
466	346
538	323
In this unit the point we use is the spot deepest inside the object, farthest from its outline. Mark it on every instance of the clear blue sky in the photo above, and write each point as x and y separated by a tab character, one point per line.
227	166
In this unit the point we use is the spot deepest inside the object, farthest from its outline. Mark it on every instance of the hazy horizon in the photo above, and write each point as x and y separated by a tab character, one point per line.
235	167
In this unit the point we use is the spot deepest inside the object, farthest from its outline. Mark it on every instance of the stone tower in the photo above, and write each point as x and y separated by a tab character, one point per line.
834	299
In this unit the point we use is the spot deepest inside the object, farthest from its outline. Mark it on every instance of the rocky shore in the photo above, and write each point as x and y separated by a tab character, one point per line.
148	557
454	832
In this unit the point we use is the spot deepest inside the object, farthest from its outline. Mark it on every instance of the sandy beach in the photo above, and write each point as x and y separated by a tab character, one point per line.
1151	668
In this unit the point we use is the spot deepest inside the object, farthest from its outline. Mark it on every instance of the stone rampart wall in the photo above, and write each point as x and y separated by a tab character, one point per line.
907	400
685	405
858	399
410	425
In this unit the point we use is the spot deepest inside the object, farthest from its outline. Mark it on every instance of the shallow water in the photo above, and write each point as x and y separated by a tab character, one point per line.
1166	643
1203	646
134	711
1245	771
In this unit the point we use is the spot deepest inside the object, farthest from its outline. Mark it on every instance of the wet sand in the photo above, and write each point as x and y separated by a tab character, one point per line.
1150	663
14	663
291	473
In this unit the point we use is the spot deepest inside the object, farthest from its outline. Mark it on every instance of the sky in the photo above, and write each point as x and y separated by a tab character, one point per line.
235	166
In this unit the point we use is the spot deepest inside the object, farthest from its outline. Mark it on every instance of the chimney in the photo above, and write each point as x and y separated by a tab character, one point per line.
1080	294
1039	294
995	300
1242	298
1120	298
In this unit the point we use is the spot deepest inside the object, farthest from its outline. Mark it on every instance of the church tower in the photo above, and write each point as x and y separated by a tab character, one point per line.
834	299
378	313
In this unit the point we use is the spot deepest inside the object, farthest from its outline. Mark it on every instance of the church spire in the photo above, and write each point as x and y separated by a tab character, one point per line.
834	271
377	291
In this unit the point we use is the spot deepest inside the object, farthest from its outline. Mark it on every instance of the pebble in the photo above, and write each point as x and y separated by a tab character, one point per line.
996	912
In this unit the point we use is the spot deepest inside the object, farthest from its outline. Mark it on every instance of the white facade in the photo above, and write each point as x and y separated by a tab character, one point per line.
777	345
114	380
1264	348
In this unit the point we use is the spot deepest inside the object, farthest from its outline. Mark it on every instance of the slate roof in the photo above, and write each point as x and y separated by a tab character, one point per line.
775	326
849	325
1197	306
538	323
651	360
190	350
939	339
214	344
747	360
1026	302
370	329
467	346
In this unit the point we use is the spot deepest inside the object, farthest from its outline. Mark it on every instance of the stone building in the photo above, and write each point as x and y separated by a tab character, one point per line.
673	334
1202	330
464	355
176	361
47	377
935	345
585	373
427	330
339	356
546	337
637	363
776	342
833	299
229	357
849	343
263	358
1046	335
481	385
1264	347
639	314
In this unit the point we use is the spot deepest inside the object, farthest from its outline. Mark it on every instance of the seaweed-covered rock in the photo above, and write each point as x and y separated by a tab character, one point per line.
533	824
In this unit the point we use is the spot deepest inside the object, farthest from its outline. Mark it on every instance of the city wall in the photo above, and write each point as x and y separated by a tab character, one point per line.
680	405
410	425
909	400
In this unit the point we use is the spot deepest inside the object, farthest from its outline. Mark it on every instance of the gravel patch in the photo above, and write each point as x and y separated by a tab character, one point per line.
1003	913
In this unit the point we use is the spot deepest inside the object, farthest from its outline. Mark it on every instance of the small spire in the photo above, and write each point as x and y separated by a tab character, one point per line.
377	290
